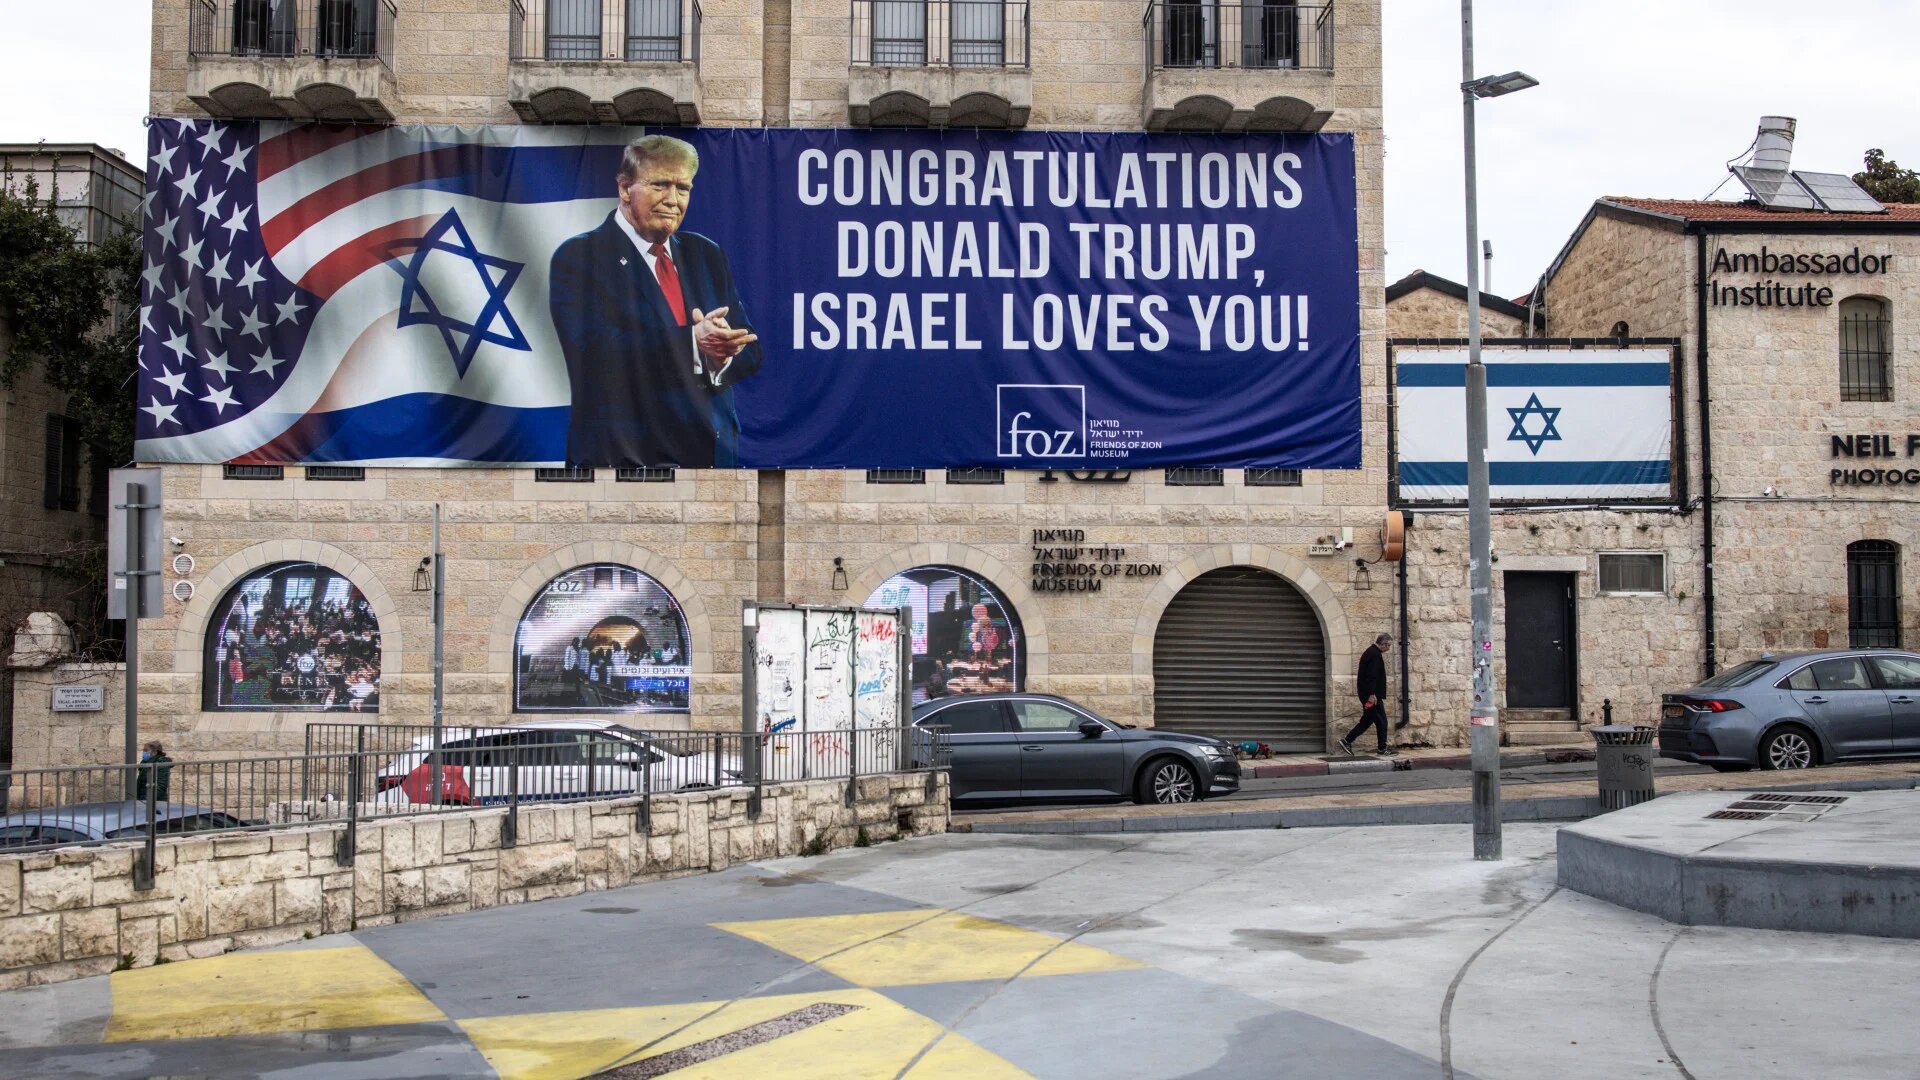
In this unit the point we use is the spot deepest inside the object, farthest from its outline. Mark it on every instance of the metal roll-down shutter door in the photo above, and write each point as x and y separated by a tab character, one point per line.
1238	655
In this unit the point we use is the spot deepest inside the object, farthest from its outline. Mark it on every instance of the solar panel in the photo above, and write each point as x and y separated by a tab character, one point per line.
1776	189
1838	192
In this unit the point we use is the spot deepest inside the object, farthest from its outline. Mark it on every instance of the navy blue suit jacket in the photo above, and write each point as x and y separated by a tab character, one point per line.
636	397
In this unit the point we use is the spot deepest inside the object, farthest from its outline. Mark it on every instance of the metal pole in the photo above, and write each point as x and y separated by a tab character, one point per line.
135	495
1483	722
439	656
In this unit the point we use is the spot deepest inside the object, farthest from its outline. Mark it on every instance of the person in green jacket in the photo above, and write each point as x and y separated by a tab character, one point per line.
155	767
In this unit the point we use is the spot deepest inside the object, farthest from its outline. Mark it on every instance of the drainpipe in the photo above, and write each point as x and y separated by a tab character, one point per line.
1406	692
1706	440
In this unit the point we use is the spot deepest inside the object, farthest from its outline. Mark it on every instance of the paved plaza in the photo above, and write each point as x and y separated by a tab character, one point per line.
1380	952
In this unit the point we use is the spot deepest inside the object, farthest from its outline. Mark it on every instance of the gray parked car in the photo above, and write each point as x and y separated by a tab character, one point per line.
83	823
1012	747
1795	712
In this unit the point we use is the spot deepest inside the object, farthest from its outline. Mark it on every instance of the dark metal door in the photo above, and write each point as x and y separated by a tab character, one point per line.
1239	655
1539	640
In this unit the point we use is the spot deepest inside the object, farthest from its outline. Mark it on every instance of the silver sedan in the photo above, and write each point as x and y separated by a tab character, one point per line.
1798	711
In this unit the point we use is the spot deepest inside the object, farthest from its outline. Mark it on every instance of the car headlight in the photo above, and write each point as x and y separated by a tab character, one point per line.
1209	750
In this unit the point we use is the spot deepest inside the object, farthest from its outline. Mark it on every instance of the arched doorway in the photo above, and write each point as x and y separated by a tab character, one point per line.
1239	655
602	638
966	635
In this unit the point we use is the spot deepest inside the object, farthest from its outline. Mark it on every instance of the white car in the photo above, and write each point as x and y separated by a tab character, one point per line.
551	759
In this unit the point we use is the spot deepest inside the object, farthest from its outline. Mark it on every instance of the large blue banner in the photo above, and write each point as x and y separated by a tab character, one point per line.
417	295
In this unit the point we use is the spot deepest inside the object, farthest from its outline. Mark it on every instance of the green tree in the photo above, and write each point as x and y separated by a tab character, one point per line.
73	313
1886	181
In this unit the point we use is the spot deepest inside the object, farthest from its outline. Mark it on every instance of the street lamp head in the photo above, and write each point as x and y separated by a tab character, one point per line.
1496	85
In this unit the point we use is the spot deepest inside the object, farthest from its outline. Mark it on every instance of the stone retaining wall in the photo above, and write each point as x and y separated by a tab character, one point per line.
74	912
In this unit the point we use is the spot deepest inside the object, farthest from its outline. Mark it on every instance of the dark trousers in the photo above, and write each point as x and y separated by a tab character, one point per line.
1375	715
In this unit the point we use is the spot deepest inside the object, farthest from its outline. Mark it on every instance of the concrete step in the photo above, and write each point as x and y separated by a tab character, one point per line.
1525	737
1531	716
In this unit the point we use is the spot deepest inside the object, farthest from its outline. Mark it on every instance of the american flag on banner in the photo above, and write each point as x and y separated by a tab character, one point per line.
294	273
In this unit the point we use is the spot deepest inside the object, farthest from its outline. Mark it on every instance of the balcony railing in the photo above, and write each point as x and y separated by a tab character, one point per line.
322	29
940	33
1198	34
658	31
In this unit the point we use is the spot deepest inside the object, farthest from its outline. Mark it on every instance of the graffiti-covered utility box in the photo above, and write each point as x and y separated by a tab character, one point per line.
825	688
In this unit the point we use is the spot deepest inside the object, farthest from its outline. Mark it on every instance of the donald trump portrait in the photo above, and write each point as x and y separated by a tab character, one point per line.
654	334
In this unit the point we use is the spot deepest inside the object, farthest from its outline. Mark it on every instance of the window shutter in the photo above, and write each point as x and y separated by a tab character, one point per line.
50	496
69	464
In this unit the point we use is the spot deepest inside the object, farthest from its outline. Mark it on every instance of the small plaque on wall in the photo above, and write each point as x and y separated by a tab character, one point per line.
79	698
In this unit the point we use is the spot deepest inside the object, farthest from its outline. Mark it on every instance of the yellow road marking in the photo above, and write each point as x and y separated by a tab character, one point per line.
910	948
255	993
877	1041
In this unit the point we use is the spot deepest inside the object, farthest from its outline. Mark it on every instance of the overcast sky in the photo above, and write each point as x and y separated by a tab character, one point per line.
1637	97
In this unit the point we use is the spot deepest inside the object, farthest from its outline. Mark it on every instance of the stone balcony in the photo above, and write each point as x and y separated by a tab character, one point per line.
300	60
605	91
638	64
939	97
1237	67
940	63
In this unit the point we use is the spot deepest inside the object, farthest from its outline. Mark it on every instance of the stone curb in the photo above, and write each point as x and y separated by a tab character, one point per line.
1513	759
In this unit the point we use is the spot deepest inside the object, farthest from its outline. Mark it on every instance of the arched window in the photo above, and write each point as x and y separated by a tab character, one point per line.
1873	594
293	636
602	638
966	637
1866	339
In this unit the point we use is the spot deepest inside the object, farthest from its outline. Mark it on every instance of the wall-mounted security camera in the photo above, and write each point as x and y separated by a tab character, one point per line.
176	541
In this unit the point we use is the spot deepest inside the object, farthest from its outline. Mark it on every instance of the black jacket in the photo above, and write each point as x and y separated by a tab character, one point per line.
636	398
1373	675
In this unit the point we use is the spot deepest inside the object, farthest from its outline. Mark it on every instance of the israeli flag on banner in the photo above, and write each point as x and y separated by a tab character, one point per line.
1563	425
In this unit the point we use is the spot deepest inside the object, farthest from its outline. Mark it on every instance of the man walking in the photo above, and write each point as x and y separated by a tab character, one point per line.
1371	686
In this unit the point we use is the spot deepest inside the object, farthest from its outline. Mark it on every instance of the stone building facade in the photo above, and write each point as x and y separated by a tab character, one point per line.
1803	554
714	539
1423	305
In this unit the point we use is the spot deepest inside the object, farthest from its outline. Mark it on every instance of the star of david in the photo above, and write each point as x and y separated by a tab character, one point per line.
493	323
1521	434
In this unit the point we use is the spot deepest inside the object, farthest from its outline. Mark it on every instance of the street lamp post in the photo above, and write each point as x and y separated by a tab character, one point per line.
1484	719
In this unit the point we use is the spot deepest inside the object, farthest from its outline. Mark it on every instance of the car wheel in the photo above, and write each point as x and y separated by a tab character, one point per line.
1788	748
1167	781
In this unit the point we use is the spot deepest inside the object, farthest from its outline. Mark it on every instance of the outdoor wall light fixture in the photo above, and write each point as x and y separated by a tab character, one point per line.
839	575
1362	576
423	575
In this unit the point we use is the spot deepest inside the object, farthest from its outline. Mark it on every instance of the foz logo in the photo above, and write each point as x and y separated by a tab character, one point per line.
1041	421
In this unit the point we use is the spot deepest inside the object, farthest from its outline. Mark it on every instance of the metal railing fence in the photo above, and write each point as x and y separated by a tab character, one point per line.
1193	33
657	31
941	33
371	771
326	29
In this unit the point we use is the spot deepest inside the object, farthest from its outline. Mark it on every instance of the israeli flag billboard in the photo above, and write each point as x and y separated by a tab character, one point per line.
1586	425
602	296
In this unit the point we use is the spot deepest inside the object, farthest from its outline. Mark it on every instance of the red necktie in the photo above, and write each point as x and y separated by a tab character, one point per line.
669	282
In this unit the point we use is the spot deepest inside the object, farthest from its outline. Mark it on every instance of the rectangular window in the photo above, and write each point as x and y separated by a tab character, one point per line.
1188	476
1633	572
572	474
1873	594
252	472
1866	334
645	474
1273	477
62	490
336	472
896	476
976	476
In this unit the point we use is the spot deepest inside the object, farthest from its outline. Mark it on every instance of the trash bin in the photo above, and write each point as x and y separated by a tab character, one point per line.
1625	756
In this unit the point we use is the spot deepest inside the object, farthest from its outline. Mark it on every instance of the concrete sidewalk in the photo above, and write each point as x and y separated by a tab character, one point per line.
1566	801
1387	954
